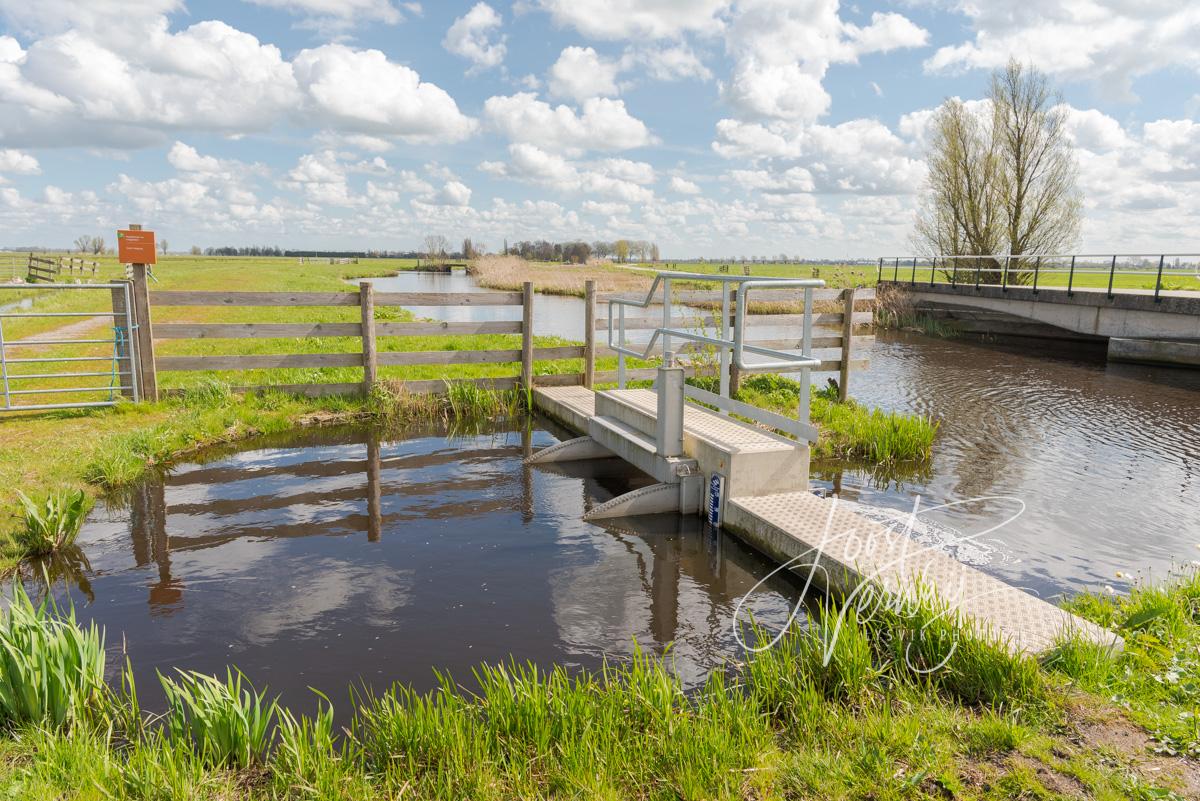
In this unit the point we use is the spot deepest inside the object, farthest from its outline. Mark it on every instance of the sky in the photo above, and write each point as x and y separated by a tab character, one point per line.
716	128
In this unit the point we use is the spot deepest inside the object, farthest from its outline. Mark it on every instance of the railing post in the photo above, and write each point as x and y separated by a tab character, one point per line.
145	330
1071	279
666	315
121	348
879	277
805	372
735	372
954	272
847	338
621	343
932	270
723	368
1158	280
527	337
4	369
1004	275
1112	270
668	427
366	299
896	271
978	273
1037	268
913	282
589	333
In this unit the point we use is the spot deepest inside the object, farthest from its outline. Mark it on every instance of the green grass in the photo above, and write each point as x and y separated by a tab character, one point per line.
816	716
225	723
51	669
1156	678
848	430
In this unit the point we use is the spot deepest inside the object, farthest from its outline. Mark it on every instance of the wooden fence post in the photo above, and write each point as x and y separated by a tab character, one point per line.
123	346
589	333
527	337
366	299
847	339
145	330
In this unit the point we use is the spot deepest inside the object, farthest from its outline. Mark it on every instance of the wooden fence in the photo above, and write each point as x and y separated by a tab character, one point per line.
833	337
47	270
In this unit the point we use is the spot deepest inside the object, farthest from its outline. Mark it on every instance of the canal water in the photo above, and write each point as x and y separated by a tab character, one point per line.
341	556
277	558
1085	470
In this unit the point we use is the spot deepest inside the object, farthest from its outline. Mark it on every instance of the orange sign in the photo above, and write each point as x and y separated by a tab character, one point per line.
136	247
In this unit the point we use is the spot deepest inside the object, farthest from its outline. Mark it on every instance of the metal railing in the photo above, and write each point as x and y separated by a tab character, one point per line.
731	346
1032	269
122	374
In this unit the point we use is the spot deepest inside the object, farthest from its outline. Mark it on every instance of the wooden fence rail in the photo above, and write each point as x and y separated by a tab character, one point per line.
834	338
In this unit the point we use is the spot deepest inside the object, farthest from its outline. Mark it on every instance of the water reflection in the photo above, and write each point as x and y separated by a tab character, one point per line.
1105	457
354	555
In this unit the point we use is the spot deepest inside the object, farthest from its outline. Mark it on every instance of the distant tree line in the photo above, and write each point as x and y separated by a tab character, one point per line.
267	250
578	252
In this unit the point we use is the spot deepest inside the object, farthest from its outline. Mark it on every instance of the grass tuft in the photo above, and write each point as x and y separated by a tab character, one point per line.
51	669
52	524
226	723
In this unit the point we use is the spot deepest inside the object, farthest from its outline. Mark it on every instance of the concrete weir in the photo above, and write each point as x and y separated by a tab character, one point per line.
768	505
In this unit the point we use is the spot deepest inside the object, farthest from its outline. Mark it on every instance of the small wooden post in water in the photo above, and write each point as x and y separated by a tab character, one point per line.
589	333
374	493
366	299
145	330
847	338
527	337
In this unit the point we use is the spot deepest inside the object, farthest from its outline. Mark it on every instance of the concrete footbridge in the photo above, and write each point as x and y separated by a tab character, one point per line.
1079	298
726	460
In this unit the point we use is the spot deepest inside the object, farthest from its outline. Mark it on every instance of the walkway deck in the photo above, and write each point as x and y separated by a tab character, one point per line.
801	529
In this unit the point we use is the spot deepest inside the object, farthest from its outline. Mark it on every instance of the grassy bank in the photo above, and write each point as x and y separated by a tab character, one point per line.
848	430
847	708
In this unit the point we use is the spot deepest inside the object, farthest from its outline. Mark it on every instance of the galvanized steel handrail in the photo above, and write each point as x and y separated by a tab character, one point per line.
1041	264
734	347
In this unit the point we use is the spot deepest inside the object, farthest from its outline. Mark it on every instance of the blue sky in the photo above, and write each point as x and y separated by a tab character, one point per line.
716	128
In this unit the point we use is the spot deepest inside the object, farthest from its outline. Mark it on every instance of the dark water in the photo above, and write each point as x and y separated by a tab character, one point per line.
1105	457
347	556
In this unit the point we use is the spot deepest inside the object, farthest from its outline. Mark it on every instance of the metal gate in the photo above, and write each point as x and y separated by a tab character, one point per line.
71	360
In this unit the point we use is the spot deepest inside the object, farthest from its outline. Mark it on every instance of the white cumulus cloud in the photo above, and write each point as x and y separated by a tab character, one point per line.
603	124
365	92
470	36
580	73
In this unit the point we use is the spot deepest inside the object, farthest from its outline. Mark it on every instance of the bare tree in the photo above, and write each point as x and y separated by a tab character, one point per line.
1002	181
97	245
196	251
435	246
162	246
83	243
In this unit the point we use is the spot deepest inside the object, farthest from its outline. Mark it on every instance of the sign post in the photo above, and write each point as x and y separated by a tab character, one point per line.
135	247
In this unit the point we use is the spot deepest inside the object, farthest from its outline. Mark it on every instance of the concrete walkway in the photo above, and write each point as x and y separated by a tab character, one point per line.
843	551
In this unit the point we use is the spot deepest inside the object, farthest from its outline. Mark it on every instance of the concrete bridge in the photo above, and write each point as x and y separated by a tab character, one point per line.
750	480
1137	325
